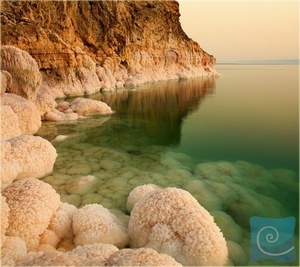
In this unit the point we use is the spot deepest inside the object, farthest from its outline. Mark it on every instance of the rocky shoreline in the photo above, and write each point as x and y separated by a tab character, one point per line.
51	50
55	49
82	47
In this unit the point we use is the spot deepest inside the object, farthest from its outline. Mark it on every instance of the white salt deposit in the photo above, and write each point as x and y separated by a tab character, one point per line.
232	192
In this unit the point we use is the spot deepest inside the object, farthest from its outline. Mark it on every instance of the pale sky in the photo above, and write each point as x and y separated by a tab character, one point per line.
243	30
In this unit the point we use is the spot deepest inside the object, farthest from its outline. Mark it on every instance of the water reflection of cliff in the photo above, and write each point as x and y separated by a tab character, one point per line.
152	114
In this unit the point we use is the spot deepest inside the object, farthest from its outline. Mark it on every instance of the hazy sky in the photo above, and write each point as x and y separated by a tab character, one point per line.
243	30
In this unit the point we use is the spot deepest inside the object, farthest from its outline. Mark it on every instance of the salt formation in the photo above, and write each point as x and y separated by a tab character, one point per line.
20	115
30	100
171	221
95	224
6	81
85	107
138	193
32	204
140	257
230	187
89	255
25	73
77	58
25	156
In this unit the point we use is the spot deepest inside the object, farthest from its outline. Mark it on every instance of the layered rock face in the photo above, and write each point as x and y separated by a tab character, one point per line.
85	46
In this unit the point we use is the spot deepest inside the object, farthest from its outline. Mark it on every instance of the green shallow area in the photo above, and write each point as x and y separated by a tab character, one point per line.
232	142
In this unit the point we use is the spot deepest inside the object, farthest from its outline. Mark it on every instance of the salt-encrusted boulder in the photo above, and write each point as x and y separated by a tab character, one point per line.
171	221
29	119
4	218
32	204
9	123
26	77
44	102
56	115
140	257
5	81
95	224
25	156
85	107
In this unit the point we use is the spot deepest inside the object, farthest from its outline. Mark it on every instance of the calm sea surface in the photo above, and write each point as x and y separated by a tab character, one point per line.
248	118
252	115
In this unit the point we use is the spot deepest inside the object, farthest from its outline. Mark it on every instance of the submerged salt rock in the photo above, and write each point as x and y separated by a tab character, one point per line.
82	185
26	77
224	192
72	199
203	194
231	230
221	171
85	107
237	254
286	180
250	203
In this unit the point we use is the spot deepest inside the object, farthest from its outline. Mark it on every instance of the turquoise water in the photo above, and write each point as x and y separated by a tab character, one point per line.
252	116
237	133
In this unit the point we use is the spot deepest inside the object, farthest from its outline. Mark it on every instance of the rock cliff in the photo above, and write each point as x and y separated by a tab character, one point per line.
82	47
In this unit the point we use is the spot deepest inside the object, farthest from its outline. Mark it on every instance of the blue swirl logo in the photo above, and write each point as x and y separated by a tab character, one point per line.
272	239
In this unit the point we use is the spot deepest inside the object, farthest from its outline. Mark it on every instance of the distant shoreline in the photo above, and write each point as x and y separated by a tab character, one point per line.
263	62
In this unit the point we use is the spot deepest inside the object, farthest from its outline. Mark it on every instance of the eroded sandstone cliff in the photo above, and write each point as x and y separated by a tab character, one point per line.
85	46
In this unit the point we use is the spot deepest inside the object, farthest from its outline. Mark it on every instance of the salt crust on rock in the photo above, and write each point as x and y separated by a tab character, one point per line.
32	204
4	218
9	123
6	81
138	193
95	224
85	107
98	254
171	221
13	250
25	156
88	255
26	77
140	257
59	233
29	119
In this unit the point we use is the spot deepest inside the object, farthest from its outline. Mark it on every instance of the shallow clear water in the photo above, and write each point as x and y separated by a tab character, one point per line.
231	141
